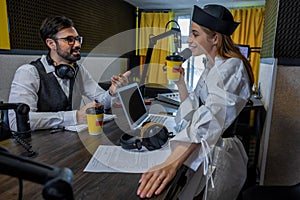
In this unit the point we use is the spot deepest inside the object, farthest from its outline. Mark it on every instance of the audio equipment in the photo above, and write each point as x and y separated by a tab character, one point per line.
23	126
64	71
57	181
22	117
177	34
171	98
185	54
152	136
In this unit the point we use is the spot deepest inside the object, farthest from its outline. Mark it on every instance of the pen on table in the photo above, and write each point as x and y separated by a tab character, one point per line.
56	130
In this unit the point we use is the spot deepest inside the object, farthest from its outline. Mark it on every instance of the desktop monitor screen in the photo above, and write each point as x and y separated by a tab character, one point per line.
245	50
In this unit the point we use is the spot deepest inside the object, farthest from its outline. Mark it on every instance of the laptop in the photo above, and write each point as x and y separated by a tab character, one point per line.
136	111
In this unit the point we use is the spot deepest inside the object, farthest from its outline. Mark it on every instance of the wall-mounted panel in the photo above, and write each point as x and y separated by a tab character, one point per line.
95	20
281	38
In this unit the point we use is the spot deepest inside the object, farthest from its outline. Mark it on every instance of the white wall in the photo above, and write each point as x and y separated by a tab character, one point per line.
266	79
280	147
8	66
101	68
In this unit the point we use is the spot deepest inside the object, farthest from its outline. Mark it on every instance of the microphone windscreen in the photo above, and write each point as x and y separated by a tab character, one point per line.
186	54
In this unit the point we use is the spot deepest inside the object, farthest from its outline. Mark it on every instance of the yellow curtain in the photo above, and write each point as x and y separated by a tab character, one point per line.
4	34
154	24
249	32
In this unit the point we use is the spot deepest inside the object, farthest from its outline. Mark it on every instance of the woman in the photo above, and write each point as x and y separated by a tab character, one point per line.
216	159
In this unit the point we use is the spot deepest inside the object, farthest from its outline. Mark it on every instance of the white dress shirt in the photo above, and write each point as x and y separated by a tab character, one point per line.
25	86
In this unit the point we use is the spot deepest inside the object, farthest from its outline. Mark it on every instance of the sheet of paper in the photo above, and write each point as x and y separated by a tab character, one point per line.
82	127
125	161
76	128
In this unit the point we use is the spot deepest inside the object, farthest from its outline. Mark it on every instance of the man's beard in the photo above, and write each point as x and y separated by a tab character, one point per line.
69	56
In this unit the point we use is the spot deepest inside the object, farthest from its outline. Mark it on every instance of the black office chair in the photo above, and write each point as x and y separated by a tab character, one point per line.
272	192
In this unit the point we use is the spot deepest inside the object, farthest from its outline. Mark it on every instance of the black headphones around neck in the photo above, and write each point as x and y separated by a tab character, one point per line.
152	136
64	71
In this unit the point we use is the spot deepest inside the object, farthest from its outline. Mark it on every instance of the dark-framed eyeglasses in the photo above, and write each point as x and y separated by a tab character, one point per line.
71	39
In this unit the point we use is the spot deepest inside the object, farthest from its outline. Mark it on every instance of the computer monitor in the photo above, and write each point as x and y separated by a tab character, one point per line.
245	50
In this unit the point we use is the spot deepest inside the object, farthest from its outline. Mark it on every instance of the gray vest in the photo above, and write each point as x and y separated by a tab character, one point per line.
51	97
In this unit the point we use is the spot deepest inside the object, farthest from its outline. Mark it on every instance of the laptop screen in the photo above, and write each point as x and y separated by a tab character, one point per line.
132	103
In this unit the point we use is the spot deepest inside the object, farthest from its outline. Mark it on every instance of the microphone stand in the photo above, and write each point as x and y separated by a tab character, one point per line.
22	117
23	125
56	181
152	42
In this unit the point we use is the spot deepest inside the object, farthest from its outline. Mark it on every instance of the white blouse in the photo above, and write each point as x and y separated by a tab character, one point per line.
224	90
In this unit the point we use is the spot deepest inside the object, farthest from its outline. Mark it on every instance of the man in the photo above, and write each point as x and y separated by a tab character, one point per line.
54	84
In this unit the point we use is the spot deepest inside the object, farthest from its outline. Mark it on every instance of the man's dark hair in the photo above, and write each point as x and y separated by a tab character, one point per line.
54	24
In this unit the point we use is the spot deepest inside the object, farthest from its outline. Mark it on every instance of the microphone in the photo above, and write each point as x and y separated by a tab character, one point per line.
22	117
177	38
185	54
23	124
57	181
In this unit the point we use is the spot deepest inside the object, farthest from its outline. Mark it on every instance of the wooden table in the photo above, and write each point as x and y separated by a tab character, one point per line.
72	150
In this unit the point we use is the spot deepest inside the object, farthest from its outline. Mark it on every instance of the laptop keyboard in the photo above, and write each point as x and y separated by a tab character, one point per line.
157	119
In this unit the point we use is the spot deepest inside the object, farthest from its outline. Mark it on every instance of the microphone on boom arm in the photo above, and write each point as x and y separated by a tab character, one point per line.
185	54
177	38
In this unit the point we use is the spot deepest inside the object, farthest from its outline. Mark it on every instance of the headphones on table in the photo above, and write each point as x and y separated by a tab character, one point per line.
64	71
152	136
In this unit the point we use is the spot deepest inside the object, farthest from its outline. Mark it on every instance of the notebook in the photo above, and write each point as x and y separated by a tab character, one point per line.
136	111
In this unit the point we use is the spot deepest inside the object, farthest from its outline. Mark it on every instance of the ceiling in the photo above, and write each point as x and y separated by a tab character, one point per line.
188	4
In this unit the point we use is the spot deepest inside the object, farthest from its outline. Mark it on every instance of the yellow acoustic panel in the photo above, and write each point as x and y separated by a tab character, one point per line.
4	34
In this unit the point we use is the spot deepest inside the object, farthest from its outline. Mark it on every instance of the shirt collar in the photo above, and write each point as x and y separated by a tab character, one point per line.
48	68
219	61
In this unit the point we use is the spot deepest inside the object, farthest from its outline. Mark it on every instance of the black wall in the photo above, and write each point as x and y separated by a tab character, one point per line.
281	38
95	20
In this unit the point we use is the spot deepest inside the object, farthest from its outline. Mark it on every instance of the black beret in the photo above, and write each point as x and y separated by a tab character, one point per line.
216	18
